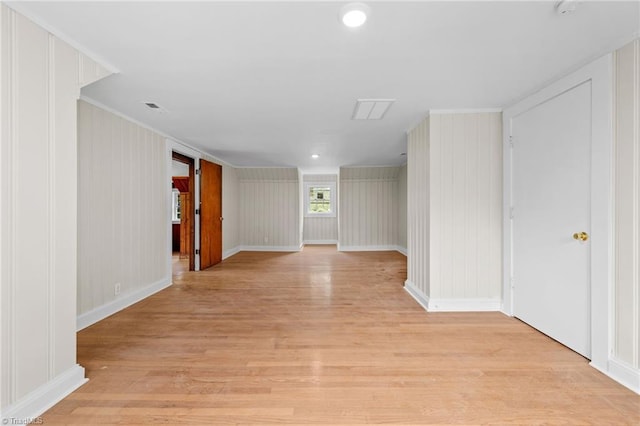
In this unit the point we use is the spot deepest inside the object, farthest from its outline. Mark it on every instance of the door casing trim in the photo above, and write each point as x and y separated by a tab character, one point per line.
599	72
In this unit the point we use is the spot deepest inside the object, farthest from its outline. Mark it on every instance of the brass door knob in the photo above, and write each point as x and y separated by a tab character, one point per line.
582	236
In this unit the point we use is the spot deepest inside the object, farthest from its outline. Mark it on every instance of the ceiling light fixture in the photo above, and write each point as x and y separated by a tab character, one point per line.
354	15
315	156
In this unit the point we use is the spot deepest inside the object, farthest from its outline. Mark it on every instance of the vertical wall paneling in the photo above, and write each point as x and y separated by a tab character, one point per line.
123	205
626	288
454	211
269	208
369	208
230	210
40	85
419	212
402	209
320	230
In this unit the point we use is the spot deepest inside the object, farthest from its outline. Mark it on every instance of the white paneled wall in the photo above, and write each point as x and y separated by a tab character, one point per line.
230	212
122	213
402	209
369	208
320	229
40	79
418	212
269	209
626	292
455	211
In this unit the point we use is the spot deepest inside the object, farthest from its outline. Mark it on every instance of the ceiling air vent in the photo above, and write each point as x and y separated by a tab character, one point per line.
371	109
154	107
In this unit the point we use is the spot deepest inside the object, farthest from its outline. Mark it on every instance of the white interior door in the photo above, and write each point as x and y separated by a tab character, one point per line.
551	166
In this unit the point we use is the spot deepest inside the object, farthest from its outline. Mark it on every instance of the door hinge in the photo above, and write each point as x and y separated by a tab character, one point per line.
511	141
197	211
197	251
198	171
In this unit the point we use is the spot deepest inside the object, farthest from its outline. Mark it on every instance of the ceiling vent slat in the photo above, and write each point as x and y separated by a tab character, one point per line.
371	109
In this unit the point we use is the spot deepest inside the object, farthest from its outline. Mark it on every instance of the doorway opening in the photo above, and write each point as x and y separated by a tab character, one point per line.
183	215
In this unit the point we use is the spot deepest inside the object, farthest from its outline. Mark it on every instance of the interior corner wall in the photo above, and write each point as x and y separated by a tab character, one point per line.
455	211
368	208
626	283
418	213
122	213
230	211
320	229
269	209
40	80
402	209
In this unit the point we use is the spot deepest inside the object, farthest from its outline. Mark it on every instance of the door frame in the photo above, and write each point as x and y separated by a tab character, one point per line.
599	73
173	146
190	162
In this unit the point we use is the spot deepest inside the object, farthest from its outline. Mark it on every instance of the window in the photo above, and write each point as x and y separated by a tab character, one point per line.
320	199
175	204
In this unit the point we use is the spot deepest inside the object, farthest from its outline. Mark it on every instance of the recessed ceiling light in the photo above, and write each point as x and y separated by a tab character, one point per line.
354	15
315	156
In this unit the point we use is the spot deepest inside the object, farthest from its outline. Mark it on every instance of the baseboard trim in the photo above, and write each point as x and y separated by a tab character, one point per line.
623	373
367	248
465	305
231	252
324	242
417	294
452	305
108	309
270	248
402	250
36	402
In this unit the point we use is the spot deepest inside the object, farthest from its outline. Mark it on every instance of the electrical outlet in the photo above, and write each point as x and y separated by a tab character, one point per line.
266	239
116	289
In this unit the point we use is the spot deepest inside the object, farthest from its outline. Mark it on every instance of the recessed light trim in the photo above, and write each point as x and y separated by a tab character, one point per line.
354	15
314	156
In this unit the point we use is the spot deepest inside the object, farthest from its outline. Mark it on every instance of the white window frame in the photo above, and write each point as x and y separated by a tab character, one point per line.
332	200
175	195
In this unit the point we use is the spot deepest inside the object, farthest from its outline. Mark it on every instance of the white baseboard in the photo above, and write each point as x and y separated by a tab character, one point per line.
465	305
36	402
367	248
126	300
402	250
417	294
622	373
270	248
231	252
452	305
311	242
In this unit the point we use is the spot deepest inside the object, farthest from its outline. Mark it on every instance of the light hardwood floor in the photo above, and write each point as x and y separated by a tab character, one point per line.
328	338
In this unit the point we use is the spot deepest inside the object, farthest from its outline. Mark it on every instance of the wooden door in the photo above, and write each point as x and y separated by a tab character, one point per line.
210	214
186	226
551	186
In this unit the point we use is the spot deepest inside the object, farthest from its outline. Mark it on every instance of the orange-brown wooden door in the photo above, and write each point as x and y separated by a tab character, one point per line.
210	214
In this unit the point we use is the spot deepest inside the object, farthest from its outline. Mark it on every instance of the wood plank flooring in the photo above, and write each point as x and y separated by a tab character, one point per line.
322	337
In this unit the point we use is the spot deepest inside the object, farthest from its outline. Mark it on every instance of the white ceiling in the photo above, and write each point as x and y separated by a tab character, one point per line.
270	83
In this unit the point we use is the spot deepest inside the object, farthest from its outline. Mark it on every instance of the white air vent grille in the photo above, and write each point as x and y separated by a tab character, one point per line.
371	109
